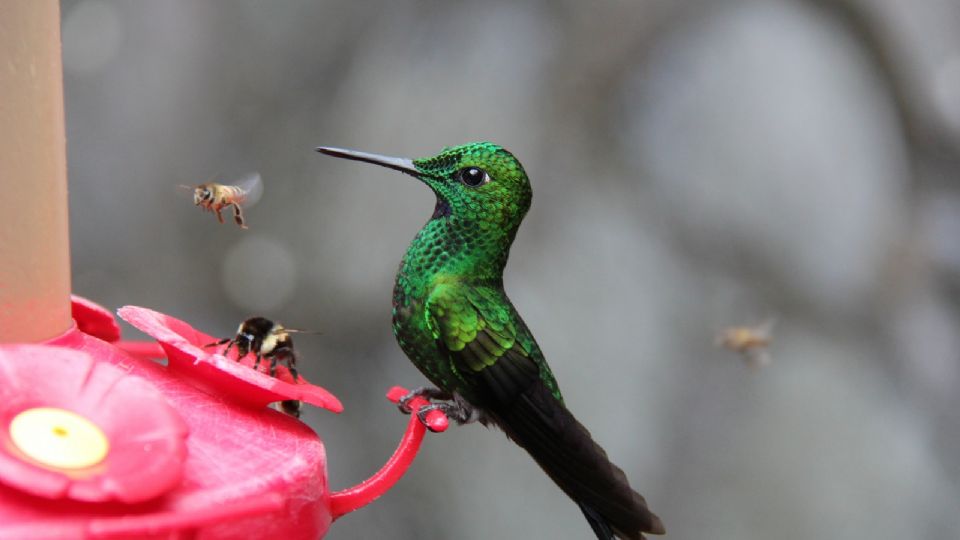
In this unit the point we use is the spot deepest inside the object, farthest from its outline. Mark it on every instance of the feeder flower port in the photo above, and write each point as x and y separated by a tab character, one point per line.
83	430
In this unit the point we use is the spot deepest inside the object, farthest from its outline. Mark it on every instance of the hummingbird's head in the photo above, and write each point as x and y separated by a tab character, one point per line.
476	182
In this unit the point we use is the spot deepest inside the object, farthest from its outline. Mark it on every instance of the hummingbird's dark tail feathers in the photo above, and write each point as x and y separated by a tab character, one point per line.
599	525
565	450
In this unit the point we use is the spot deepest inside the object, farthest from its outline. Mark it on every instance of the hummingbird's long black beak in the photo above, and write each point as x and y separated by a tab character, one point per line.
403	165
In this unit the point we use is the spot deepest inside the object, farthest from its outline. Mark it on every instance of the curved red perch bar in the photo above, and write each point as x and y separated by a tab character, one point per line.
93	319
347	500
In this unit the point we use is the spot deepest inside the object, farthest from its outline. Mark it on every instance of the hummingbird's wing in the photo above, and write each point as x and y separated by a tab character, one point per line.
503	372
477	328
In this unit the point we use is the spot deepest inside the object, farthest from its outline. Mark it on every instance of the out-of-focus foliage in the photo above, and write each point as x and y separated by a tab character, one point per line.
696	165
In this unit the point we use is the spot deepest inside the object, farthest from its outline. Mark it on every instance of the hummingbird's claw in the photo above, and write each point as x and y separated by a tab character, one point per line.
452	406
426	392
455	409
424	411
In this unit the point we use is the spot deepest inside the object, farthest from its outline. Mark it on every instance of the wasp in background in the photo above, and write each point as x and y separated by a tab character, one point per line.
214	197
752	342
271	340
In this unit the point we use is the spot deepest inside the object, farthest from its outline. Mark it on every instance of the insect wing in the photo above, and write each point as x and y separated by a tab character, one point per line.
301	331
251	185
757	357
765	328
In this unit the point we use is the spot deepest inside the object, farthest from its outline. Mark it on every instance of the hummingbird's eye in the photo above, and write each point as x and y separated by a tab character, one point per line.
472	176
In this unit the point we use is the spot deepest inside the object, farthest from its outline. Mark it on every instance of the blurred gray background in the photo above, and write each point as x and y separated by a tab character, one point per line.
695	165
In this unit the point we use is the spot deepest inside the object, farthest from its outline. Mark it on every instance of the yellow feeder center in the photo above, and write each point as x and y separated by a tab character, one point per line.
58	438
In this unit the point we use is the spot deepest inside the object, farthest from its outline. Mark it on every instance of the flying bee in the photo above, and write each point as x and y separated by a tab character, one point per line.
752	342
214	197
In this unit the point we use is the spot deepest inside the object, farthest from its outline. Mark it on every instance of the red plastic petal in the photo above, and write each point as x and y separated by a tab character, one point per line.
146	436
188	356
94	319
145	350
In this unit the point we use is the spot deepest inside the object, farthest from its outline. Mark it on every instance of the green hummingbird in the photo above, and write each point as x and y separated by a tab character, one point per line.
454	321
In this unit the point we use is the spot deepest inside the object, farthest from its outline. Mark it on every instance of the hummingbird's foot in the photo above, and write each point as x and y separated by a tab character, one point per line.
427	392
456	409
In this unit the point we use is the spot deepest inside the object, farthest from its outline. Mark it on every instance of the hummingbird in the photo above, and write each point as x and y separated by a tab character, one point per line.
454	321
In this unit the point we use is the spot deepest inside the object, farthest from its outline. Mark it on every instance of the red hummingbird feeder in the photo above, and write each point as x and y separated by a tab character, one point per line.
103	442
97	438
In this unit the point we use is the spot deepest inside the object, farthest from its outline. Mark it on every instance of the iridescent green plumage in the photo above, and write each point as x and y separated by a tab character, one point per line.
450	284
453	319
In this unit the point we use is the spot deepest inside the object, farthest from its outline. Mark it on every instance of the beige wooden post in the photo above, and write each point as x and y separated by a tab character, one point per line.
34	240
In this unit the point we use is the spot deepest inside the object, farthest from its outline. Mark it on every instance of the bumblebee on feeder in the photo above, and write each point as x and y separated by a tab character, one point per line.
266	339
